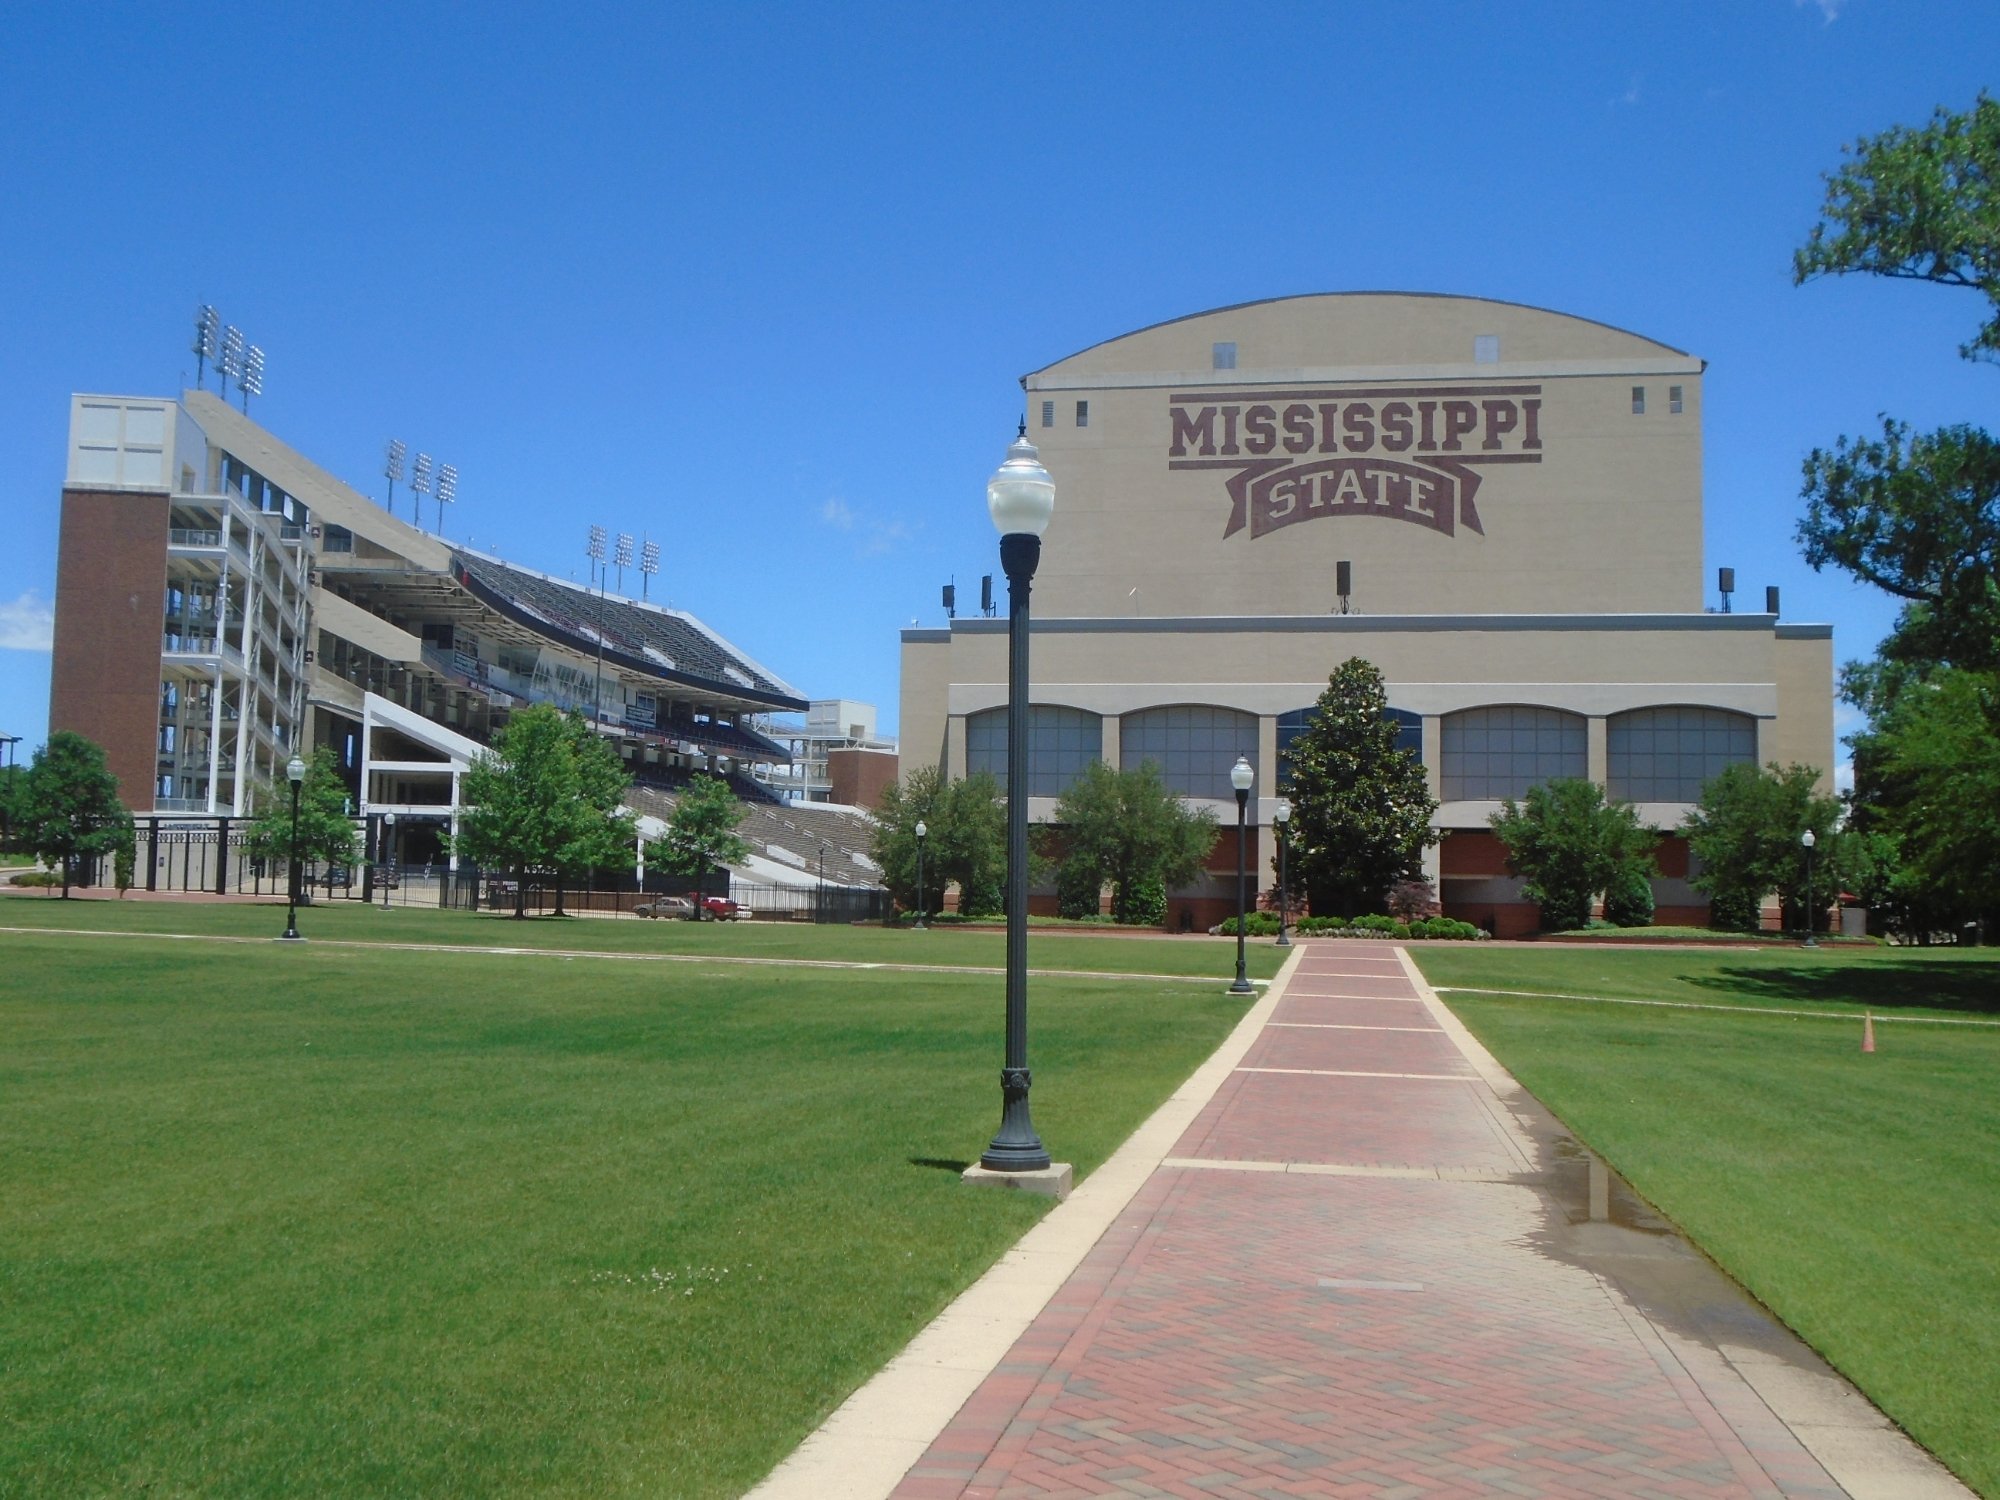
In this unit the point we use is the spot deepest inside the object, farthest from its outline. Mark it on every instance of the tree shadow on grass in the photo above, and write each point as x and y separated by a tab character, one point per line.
1970	984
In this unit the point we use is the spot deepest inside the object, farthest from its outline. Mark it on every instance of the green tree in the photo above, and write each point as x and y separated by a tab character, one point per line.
602	832
702	832
1569	846
326	832
522	798
1920	204
1927	785
70	808
1361	810
13	791
1747	830
1918	515
1125	828
965	823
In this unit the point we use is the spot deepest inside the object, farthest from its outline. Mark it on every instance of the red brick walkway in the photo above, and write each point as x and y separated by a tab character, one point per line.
1373	1322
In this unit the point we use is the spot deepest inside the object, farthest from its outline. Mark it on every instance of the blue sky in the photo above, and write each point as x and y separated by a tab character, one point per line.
760	280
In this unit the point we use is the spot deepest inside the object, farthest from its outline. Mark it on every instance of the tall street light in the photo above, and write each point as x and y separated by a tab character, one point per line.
1021	498
1282	816
1808	840
921	831
1240	777
295	772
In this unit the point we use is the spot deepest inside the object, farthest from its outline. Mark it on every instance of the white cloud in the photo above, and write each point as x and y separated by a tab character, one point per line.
27	624
1829	9
885	537
1631	94
837	513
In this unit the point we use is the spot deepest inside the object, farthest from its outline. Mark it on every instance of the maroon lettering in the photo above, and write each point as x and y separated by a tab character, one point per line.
1531	424
1360	425
1460	417
1187	429
1427	410
1260	434
1328	443
1501	419
1229	429
1397	434
1298	429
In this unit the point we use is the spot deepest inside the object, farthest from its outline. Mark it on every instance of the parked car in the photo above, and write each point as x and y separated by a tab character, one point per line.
722	909
665	906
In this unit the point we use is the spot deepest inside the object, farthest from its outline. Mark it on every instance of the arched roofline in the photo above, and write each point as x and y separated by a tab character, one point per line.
1305	296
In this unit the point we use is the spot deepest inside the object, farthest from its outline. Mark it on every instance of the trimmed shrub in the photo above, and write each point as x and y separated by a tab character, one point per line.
1077	890
1732	912
1148	904
1629	901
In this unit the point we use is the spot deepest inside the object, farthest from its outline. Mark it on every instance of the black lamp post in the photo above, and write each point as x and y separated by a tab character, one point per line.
295	772
819	892
385	877
1281	815
921	831
1808	840
1021	498
1240	777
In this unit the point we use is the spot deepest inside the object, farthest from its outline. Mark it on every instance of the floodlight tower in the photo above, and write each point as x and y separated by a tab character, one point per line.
420	486
447	491
594	550
206	326
622	557
393	469
231	362
649	564
252	382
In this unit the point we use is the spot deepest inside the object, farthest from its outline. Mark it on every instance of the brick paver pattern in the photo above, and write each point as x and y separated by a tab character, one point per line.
1243	1331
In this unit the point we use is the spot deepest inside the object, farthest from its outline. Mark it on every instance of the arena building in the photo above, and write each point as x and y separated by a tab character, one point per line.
221	601
1499	506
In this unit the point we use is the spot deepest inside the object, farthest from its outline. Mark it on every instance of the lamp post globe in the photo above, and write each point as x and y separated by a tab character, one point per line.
295	772
1808	840
1240	777
1281	815
921	832
1021	498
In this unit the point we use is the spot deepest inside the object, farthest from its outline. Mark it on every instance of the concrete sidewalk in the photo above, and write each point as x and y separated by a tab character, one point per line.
1354	1258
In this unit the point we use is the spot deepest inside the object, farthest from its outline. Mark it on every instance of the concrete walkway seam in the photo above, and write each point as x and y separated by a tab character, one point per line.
863	1450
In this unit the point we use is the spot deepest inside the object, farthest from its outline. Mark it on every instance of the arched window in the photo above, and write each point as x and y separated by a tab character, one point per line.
1409	734
1669	754
1061	742
1193	744
1490	753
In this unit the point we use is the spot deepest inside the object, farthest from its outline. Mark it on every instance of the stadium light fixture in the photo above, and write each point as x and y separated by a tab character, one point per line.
295	772
231	361
1021	498
420	486
252	383
649	564
392	468
447	491
622	557
206	332
1240	777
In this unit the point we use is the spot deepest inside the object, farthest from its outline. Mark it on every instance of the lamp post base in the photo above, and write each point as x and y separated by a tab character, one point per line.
1052	1181
1241	987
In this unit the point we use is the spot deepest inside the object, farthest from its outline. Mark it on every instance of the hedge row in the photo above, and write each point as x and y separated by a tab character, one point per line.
1265	924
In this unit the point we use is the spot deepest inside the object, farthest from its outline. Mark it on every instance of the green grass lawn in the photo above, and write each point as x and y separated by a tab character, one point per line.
1858	1196
1050	948
320	1219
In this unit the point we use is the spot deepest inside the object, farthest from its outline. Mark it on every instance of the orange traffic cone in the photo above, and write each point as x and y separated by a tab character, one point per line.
1867	1031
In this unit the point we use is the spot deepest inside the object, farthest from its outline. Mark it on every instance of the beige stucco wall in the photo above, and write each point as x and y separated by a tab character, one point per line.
1575	503
1803	732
